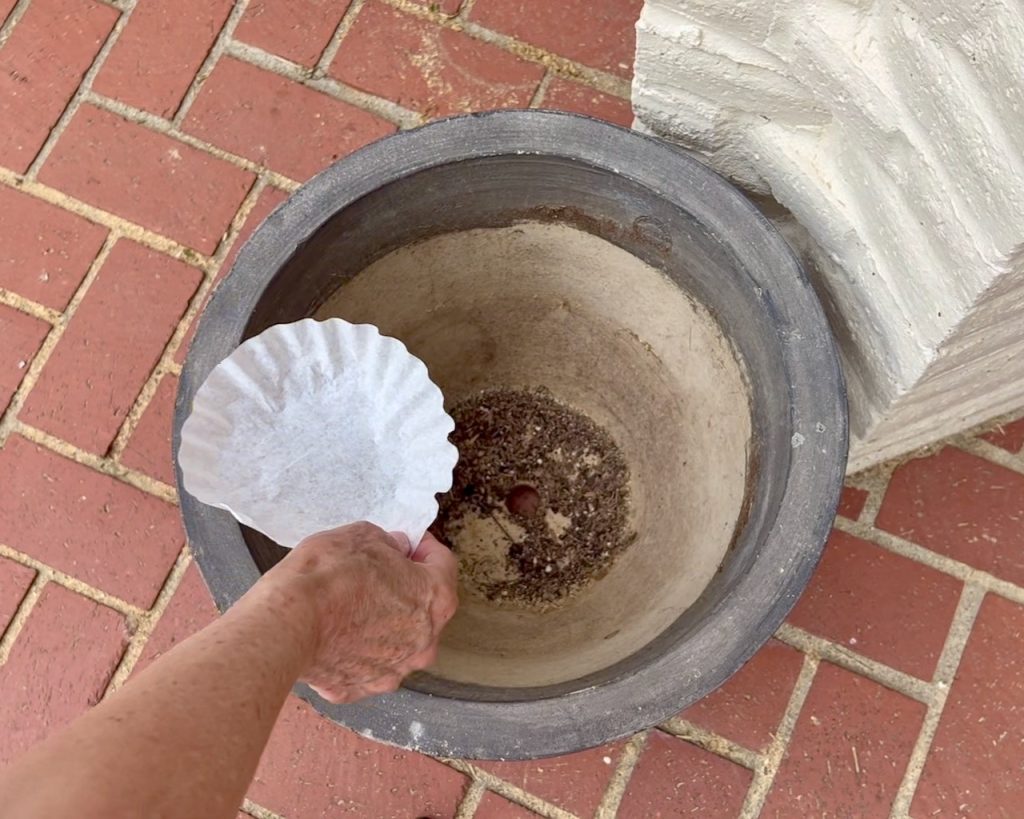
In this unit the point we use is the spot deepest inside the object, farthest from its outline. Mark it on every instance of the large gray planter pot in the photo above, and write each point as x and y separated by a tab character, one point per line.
522	248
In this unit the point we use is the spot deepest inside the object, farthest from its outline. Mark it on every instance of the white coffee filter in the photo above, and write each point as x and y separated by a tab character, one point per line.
318	424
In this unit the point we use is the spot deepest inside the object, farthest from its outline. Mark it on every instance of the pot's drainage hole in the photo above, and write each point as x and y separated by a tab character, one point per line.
539	506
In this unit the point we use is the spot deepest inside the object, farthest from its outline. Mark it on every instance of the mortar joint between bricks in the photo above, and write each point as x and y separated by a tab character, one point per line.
21	614
13	16
30	307
837	654
562	66
209	62
166	128
712	742
764	774
934	560
146	622
9	419
506	789
612	797
166	360
51	575
966	613
104	466
80	93
117	225
471	799
330	51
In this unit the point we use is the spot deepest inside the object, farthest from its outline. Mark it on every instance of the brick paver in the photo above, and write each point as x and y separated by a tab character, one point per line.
91	509
852	502
41	65
265	204
157	56
879	604
976	764
574	782
597	33
749	707
20	339
190	609
287	127
849	750
58	667
44	251
84	523
674	778
297	30
1008	436
313	768
962	506
433	70
14	582
149	448
566	95
493	806
98	367
159	182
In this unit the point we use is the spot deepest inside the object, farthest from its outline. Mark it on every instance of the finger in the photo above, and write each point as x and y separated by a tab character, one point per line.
434	555
400	541
384	685
421	660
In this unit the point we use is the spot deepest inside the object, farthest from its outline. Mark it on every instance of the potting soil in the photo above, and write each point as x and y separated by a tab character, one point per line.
539	505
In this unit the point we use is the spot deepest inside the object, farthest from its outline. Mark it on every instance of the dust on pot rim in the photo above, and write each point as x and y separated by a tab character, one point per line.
524	176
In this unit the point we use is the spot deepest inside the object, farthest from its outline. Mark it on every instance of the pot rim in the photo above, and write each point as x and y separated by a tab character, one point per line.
746	616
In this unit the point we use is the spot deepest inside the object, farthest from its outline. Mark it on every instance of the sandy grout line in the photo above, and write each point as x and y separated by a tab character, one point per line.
144	483
561	66
506	789
9	418
612	799
13	16
470	800
21	615
147	622
875	481
258	811
112	222
83	89
934	560
396	114
209	63
162	126
837	654
764	774
992	453
330	51
163	365
29	307
712	742
949	661
128	610
465	9
537	100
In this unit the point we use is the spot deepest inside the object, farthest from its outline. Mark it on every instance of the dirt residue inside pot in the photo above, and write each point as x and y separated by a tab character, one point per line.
539	506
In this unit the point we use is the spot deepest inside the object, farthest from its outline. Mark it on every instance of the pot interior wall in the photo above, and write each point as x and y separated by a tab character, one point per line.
549	305
525	271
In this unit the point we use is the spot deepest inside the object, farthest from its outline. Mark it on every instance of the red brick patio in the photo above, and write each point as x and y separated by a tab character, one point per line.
141	142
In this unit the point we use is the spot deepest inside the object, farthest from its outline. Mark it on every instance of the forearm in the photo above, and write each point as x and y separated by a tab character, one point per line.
181	740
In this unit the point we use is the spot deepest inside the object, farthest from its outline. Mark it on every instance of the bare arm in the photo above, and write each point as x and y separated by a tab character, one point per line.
345	611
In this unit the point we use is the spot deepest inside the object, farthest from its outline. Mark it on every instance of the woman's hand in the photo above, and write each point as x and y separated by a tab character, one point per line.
366	614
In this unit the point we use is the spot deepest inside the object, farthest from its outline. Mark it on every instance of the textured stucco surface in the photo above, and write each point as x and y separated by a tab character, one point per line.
893	135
